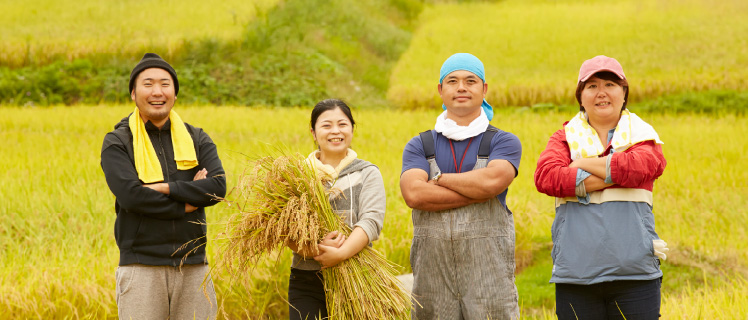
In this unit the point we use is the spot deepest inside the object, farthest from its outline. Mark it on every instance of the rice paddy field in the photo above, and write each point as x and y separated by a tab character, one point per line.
58	255
57	249
532	49
39	31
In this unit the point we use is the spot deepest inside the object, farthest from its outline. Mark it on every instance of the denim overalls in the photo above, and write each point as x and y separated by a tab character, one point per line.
463	258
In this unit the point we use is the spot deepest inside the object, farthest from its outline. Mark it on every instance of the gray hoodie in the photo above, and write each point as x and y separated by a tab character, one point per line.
361	202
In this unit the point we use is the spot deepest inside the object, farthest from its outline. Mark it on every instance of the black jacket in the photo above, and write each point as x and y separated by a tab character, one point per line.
152	228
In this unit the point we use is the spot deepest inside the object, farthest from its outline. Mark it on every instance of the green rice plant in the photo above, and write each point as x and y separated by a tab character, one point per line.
281	202
532	50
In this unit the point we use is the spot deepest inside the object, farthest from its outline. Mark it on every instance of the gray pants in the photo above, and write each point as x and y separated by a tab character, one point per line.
163	292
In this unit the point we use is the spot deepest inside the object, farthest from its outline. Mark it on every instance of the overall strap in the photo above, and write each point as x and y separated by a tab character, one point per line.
427	139
485	144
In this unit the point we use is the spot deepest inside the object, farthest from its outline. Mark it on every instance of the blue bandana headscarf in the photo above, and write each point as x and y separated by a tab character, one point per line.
467	62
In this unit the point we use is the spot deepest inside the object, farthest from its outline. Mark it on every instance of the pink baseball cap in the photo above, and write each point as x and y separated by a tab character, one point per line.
600	63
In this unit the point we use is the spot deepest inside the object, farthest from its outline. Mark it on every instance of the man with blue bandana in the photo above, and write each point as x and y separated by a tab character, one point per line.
456	177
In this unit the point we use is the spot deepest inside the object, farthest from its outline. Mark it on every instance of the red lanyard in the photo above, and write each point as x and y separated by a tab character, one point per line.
454	158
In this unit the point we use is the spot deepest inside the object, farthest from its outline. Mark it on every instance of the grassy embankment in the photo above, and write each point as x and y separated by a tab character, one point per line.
58	251
292	54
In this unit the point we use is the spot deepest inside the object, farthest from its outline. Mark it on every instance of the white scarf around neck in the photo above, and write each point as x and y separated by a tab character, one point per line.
451	130
326	171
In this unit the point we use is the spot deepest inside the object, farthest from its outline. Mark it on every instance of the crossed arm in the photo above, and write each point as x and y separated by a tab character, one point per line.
455	190
163	188
595	166
161	201
555	174
642	162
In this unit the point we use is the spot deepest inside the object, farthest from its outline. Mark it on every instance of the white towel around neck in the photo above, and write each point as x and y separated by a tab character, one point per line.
451	130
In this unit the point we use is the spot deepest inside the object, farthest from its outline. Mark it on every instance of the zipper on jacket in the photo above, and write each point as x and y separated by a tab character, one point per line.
163	155
166	180
173	242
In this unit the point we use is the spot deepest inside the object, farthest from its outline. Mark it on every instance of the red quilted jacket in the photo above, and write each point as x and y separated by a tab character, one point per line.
636	167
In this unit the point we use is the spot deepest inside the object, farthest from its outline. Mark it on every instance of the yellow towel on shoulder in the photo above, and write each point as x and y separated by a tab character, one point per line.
584	142
146	161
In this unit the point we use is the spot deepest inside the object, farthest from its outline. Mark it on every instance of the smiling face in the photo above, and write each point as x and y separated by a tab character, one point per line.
333	132
602	99
154	95
462	93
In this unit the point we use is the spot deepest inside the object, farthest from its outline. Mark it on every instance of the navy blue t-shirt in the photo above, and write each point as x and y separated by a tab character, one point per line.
504	145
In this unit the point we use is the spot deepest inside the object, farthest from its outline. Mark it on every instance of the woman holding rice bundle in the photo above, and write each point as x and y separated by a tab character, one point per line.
601	168
357	196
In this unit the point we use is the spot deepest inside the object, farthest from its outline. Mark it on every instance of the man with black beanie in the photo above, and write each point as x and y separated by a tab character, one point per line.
163	173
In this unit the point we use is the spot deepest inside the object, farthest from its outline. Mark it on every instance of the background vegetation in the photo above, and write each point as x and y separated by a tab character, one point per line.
533	49
293	54
684	59
38	32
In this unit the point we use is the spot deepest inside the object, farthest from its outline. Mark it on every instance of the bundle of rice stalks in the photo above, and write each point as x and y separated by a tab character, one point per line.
281	201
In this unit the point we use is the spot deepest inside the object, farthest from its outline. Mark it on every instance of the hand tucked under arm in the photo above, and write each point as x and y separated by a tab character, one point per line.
203	192
333	239
201	174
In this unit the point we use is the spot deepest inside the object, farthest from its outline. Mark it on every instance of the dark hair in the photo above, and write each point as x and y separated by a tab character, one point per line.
605	75
330	104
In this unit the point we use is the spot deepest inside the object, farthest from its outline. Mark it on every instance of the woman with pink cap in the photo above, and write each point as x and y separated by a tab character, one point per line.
601	168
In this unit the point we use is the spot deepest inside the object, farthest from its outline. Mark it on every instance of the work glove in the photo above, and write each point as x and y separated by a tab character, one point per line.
660	248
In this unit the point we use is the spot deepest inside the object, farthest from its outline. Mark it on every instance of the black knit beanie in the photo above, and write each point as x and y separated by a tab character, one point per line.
152	60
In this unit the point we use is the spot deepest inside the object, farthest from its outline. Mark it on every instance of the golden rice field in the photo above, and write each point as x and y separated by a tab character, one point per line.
532	49
37	31
58	254
57	248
